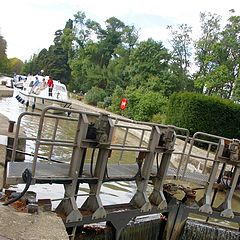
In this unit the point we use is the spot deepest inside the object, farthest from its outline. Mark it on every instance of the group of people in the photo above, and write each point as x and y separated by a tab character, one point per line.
39	86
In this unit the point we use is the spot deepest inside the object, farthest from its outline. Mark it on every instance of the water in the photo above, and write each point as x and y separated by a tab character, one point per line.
196	230
144	228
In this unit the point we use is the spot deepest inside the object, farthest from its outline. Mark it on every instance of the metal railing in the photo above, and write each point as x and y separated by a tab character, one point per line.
151	142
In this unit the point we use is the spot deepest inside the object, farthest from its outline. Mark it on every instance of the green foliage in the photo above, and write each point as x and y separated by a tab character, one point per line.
217	56
57	64
86	54
198	112
133	95
150	67
150	104
149	59
159	118
53	62
95	95
100	63
117	95
3	47
30	67
4	63
141	105
15	65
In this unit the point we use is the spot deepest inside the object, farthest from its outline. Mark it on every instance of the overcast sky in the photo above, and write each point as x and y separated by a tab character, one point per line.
29	25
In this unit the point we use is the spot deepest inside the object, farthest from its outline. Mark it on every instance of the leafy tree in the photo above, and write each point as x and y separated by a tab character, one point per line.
181	43
57	65
30	67
3	55
15	65
130	38
110	38
218	56
41	60
67	40
101	62
149	67
84	29
133	95
53	61
205	50
230	47
3	47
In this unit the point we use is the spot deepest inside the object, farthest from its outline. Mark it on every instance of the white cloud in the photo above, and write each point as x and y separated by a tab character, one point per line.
29	25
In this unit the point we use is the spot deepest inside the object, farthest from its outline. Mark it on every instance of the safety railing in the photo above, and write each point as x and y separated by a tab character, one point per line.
155	156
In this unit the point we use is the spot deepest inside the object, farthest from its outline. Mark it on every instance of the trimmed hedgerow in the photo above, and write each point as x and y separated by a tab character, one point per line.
209	114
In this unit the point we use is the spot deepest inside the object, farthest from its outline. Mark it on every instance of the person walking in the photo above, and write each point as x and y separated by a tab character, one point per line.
50	86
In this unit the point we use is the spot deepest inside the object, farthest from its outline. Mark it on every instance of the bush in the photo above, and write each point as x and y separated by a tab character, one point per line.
150	104
142	105
95	95
159	118
116	100
198	112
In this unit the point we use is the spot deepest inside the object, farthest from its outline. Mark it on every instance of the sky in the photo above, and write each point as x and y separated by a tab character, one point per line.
29	25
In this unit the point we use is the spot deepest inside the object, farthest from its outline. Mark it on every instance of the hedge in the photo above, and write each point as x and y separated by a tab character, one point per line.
209	114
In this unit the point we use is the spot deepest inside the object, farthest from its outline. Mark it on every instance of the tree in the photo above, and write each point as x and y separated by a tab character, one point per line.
30	66
57	63
181	43
84	29
15	65
218	56
3	55
130	38
102	54
42	59
205	46
67	40
109	39
150	104
3	47
149	67
230	46
142	105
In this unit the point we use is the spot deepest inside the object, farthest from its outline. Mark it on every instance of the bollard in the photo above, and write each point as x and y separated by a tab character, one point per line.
11	126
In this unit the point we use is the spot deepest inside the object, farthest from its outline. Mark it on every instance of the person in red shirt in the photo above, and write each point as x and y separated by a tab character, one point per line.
50	86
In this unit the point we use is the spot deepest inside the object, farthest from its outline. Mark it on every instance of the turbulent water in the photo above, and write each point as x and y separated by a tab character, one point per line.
195	230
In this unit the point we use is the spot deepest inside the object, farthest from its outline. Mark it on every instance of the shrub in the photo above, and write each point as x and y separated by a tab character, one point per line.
198	112
95	95
150	103
159	118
